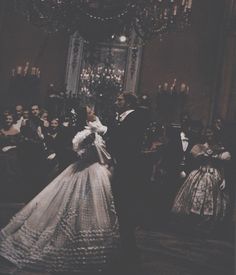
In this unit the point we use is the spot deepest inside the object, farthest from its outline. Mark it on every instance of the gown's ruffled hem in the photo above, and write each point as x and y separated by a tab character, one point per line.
86	254
62	242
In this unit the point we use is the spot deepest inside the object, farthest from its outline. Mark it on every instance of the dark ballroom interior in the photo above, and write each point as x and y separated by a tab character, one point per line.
117	122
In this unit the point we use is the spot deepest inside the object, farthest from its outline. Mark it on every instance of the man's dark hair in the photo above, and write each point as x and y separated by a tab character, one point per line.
81	118
130	99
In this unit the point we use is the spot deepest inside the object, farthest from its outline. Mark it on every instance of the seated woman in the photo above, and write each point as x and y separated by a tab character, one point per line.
10	171
202	196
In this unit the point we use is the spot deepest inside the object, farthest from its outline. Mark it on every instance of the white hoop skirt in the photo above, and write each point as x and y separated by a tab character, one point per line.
70	226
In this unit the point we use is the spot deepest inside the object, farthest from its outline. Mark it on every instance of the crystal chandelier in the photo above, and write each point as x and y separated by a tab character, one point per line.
92	78
102	19
157	17
99	85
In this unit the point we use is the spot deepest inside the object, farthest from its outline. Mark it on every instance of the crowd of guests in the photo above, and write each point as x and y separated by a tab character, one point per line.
187	168
34	149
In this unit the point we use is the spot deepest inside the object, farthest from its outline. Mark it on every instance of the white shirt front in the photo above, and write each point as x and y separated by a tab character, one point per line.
184	141
125	114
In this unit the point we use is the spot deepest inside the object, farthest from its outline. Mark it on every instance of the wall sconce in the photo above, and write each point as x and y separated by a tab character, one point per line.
25	71
172	88
24	85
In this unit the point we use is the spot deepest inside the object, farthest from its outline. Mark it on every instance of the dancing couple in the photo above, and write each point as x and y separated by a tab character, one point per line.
75	224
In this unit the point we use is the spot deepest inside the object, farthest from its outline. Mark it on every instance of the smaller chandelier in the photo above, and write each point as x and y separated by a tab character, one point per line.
157	17
93	78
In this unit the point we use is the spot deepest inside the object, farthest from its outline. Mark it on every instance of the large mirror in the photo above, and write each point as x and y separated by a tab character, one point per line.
96	72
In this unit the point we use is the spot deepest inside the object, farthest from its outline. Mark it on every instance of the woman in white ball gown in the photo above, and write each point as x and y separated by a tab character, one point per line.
71	225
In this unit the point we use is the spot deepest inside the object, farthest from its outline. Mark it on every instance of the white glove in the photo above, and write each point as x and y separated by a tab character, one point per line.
222	185
182	175
52	156
39	132
6	148
97	127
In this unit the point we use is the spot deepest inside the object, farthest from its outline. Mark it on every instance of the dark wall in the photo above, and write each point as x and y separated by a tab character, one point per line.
225	104
190	56
21	42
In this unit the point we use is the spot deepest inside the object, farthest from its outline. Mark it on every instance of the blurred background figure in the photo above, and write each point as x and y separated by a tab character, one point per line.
202	198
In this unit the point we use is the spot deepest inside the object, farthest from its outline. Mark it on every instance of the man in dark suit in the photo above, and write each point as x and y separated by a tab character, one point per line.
183	138
186	140
177	161
33	153
125	140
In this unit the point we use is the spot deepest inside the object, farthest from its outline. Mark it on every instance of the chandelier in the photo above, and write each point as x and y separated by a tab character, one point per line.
100	82
93	77
157	17
100	20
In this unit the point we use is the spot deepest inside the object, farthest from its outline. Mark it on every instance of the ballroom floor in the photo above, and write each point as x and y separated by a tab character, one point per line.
163	252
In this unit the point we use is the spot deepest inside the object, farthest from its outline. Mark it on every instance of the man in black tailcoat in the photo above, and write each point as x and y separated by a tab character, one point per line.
185	139
125	141
177	161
